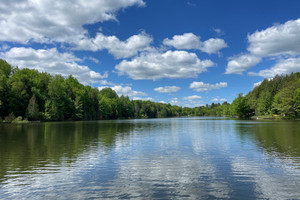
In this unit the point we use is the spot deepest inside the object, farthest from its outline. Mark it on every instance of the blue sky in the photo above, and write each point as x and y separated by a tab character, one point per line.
188	53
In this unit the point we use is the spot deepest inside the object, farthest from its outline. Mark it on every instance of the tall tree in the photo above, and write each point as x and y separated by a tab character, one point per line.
240	107
33	109
5	72
59	106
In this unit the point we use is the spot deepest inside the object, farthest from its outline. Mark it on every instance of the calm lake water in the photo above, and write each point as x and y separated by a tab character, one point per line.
178	158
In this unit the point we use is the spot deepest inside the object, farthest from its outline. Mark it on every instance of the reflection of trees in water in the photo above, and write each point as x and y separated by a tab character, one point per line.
24	147
282	138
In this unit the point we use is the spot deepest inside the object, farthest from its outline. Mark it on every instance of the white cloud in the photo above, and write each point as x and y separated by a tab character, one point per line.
218	31
60	21
174	101
171	64
105	82
143	99
185	41
257	84
167	89
281	39
213	45
204	87
53	62
284	66
219	100
127	91
95	60
239	64
192	98
191	41
278	41
120	49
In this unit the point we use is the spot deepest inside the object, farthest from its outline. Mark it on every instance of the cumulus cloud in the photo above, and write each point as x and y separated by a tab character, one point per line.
191	41
219	100
143	99
119	49
174	101
127	91
53	62
192	98
156	65
257	84
213	45
278	41
185	41
281	39
60	21
167	89
239	64
284	66
105	82
204	87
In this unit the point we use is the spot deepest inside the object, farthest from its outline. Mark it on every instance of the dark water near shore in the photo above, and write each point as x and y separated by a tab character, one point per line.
178	158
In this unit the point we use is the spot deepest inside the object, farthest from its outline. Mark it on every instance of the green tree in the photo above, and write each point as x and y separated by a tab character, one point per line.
284	102
78	113
126	108
5	72
264	103
33	109
59	106
241	108
105	108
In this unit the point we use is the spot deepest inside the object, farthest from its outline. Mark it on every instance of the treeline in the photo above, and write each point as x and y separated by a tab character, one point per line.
277	97
214	109
29	94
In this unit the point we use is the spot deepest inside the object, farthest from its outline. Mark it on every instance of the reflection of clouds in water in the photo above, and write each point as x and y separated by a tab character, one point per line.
164	159
172	164
268	178
164	177
50	180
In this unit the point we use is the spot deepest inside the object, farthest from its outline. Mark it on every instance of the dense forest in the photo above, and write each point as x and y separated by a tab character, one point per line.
32	95
29	94
278	97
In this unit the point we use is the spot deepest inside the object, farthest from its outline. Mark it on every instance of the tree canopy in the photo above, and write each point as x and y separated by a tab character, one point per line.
27	93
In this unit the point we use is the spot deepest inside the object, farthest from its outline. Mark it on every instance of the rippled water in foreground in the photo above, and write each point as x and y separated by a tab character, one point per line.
178	158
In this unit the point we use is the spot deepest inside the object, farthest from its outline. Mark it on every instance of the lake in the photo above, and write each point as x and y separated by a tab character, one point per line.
174	158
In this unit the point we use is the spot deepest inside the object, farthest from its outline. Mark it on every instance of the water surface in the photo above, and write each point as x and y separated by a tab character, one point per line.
177	158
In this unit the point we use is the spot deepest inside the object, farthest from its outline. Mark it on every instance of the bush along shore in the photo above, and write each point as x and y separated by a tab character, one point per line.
28	95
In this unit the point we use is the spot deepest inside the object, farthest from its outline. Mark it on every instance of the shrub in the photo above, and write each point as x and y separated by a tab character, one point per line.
10	118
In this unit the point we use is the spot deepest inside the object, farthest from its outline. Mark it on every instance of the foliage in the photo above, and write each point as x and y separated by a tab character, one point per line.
279	96
40	96
33	109
5	72
19	119
240	107
211	110
10	118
